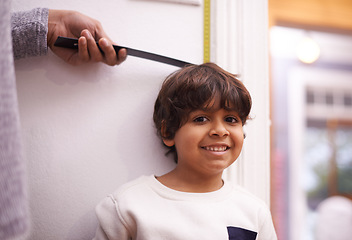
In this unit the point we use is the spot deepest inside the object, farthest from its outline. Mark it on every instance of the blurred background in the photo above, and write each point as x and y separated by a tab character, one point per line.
311	112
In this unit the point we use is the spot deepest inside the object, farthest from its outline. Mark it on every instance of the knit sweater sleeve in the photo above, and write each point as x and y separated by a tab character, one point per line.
29	33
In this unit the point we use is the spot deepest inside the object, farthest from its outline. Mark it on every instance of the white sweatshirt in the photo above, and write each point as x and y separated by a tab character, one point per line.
145	209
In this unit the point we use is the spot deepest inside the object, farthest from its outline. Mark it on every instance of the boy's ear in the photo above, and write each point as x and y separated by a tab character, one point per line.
166	141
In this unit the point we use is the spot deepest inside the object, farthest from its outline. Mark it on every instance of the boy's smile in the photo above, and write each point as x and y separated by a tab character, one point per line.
216	148
210	141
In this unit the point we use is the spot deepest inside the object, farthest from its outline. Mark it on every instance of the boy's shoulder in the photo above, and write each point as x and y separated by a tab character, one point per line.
132	188
242	195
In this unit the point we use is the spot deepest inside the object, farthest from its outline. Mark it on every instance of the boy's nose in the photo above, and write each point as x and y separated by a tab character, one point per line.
218	129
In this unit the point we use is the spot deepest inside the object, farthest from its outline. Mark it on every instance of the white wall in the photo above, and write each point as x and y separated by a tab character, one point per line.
88	129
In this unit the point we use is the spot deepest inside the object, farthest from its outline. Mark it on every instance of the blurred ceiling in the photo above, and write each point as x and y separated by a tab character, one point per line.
328	15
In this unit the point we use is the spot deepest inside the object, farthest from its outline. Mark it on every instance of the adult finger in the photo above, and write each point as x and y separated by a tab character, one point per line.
109	52
93	50
83	53
122	55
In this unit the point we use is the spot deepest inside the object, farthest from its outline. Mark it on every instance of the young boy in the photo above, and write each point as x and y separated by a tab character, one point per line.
199	115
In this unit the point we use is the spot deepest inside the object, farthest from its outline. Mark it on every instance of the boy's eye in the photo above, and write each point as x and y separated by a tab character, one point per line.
231	119
200	119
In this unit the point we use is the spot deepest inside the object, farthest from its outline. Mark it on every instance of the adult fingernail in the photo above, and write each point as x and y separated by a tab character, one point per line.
84	40
104	42
124	54
86	34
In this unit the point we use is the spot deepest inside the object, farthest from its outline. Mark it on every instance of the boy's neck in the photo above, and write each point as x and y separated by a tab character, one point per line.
189	183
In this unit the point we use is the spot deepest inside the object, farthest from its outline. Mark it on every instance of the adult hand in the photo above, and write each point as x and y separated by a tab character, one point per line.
88	30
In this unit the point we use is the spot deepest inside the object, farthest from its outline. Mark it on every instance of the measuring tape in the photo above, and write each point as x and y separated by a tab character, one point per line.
206	29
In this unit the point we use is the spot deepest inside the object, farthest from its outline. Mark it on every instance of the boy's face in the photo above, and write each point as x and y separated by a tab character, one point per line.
209	141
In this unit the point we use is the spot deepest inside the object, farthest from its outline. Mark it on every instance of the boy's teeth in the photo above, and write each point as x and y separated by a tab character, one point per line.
216	149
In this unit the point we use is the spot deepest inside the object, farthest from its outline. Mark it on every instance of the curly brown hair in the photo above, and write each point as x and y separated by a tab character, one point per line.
194	87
